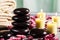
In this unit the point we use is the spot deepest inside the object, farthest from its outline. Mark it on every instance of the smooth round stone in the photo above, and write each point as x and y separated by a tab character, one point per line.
1	36
14	31
38	33
22	25
20	19
21	11
20	31
5	35
22	15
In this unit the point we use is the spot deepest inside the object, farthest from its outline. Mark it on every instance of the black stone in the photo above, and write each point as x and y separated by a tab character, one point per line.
6	35
1	36
20	31
38	33
23	25
21	11
23	15
20	19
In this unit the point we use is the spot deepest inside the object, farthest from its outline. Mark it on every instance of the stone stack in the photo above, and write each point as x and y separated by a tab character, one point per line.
21	21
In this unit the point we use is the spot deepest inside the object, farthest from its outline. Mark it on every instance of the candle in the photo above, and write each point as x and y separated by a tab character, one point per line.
52	27
58	23
41	15
55	18
39	23
42	18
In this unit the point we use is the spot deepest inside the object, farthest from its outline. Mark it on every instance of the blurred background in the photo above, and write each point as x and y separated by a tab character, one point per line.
37	5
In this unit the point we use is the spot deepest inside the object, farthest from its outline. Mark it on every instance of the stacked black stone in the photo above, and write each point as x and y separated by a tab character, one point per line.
21	21
4	32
